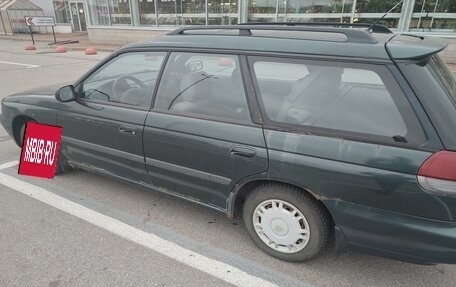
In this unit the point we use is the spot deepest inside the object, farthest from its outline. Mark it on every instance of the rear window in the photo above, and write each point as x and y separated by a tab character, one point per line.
441	73
436	89
361	100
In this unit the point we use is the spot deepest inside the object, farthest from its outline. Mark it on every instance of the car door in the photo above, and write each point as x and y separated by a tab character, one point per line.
103	129
199	139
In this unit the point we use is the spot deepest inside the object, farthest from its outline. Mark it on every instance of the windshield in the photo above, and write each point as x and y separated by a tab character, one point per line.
441	73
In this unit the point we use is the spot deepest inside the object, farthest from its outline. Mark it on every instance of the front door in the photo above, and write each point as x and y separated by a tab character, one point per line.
103	129
199	139
78	18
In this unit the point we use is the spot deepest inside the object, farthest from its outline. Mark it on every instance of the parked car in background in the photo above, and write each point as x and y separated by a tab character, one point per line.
308	132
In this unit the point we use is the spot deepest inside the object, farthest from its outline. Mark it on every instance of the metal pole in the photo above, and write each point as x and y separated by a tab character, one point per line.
79	16
277	11
175	12
31	34
353	11
108	3
435	9
342	13
207	14
156	12
419	19
53	33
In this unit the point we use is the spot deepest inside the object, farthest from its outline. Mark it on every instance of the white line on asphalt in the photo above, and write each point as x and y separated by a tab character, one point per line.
9	164
27	66
210	266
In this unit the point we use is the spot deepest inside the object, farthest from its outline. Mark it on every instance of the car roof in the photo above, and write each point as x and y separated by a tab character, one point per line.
321	40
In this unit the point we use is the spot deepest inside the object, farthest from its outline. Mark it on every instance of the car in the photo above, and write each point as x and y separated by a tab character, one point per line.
316	135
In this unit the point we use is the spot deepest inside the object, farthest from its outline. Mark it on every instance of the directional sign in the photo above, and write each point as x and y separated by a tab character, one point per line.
39	21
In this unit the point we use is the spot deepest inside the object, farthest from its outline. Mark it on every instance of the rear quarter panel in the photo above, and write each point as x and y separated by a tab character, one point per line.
371	175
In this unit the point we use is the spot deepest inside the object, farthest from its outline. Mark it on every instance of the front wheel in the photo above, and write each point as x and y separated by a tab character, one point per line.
286	222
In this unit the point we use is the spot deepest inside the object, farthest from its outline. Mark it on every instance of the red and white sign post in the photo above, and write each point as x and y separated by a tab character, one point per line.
32	21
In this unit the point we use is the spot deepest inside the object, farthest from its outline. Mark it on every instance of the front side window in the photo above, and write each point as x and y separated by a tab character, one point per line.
358	99
127	79
203	85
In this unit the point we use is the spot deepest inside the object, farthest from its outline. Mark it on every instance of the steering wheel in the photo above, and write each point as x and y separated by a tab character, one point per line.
120	85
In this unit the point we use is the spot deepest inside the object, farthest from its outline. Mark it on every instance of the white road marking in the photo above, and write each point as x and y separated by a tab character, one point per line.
9	164
3	132
210	266
27	66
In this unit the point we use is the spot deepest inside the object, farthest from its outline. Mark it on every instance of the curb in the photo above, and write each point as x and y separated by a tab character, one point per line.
53	46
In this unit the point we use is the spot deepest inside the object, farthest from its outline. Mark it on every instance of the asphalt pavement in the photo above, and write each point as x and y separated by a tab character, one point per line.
81	229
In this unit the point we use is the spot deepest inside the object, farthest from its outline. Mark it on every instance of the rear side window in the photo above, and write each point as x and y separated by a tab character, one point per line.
363	100
441	73
202	84
436	89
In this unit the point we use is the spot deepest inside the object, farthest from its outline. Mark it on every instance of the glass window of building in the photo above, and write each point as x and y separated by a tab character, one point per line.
262	10
147	11
168	10
223	12
62	11
300	10
99	12
304	10
369	11
182	12
434	15
120	11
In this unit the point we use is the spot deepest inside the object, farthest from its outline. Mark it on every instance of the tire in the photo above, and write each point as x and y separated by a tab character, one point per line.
61	165
286	222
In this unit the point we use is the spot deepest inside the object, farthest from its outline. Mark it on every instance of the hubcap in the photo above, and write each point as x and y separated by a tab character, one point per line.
281	226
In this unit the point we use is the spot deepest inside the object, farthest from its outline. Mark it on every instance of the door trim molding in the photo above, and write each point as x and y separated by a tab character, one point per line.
103	149
188	171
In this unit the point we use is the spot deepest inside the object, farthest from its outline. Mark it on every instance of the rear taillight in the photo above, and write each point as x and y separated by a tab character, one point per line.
438	173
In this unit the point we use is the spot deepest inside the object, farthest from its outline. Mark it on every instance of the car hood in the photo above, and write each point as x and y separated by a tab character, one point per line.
46	90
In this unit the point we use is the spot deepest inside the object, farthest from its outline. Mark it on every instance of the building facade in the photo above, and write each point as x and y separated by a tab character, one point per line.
146	17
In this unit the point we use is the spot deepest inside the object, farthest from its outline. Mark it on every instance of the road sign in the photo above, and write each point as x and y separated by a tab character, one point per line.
39	21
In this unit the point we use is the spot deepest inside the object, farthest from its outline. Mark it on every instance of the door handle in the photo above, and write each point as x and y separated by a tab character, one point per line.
128	130
244	152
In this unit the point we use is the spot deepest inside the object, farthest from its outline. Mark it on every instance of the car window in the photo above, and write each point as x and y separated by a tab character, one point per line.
441	73
127	79
357	99
203	84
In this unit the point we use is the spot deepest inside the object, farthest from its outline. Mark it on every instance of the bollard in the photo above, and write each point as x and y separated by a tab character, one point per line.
60	49
90	51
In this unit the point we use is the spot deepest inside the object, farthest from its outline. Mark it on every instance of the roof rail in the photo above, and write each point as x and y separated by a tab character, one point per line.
372	28
353	35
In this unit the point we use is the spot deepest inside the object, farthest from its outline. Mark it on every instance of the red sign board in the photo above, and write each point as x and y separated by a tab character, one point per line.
40	150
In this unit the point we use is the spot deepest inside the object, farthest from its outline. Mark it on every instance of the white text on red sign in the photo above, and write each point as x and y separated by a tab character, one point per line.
40	151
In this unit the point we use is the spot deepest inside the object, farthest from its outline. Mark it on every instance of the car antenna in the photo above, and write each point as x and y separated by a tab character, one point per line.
376	22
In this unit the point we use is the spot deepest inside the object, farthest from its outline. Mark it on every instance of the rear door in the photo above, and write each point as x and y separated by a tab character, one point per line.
199	139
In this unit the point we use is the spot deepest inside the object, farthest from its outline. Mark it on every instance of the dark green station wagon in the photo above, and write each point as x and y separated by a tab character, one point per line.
309	132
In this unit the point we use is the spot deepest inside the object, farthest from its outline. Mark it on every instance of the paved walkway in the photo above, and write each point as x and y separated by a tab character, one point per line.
82	39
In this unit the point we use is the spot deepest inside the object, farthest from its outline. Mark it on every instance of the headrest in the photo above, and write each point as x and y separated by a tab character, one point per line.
196	86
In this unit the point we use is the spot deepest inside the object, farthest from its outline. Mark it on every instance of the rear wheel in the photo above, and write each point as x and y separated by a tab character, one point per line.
286	222
61	165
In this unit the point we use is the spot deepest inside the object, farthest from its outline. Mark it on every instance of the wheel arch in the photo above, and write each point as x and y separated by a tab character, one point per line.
242	190
16	127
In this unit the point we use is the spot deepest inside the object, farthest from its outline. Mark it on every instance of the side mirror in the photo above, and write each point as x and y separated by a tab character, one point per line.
65	94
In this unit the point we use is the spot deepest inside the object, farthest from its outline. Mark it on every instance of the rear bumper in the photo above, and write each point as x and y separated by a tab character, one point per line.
395	235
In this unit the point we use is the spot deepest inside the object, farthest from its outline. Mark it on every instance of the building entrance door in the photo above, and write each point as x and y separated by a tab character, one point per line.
78	19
